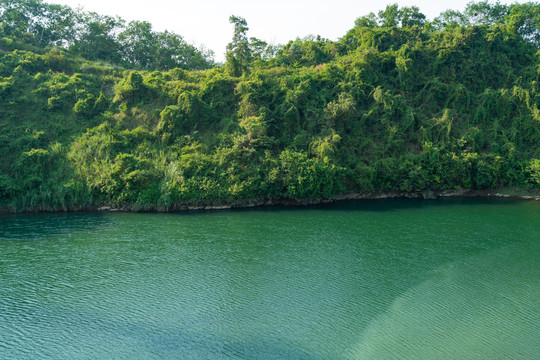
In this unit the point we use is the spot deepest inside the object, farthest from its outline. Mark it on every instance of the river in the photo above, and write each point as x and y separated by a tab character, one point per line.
384	279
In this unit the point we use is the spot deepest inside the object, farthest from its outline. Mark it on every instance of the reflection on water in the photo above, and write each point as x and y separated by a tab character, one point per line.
360	280
41	226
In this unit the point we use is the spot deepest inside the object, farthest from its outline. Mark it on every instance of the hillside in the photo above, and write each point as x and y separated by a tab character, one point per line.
397	104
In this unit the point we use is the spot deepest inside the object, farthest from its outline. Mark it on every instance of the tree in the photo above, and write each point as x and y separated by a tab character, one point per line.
390	16
96	37
484	13
47	24
258	48
450	18
139	44
239	52
173	52
144	48
525	20
393	16
411	16
369	21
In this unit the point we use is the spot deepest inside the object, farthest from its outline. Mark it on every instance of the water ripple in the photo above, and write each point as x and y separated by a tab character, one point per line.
336	283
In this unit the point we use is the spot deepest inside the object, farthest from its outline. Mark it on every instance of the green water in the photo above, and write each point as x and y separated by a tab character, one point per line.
444	279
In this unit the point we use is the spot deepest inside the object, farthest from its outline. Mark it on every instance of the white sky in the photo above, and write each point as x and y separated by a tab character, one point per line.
206	22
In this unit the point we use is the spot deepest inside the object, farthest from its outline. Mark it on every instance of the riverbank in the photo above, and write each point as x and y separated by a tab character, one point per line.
526	194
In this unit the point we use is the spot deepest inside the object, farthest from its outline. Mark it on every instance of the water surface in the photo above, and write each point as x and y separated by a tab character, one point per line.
392	279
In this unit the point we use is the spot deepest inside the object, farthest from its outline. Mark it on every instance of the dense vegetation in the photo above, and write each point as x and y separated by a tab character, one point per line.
88	117
39	25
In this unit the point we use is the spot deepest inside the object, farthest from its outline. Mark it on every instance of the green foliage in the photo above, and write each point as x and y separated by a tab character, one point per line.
242	53
238	51
25	23
38	23
132	90
397	104
141	47
309	51
303	177
534	170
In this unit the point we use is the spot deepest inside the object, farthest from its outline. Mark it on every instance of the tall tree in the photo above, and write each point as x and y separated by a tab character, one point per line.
525	20
139	44
258	48
42	24
411	16
393	16
389	17
144	48
96	37
239	52
450	18
484	13
174	52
